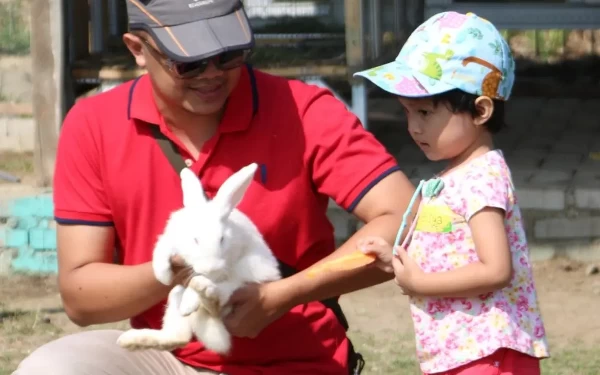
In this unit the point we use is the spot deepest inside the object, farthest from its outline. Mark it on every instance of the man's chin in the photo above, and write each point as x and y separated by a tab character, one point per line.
204	109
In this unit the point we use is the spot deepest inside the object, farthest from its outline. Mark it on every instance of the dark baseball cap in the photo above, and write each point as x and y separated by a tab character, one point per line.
191	30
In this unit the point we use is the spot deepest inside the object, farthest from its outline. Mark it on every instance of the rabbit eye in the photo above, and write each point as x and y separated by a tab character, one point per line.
222	239
196	241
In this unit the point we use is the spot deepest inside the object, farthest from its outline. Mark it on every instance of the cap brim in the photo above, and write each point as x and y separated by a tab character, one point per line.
399	79
201	39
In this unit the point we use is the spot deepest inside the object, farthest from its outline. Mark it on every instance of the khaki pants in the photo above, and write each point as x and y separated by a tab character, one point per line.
97	353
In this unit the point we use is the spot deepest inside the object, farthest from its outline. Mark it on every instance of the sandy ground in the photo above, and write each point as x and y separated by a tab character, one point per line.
30	314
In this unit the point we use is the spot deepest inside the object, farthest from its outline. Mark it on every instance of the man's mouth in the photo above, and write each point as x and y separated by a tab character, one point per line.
208	89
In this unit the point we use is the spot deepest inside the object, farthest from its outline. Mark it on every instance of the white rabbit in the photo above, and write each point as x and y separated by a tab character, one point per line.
226	251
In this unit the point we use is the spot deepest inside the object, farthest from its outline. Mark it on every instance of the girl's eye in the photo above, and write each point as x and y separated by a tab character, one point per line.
423	112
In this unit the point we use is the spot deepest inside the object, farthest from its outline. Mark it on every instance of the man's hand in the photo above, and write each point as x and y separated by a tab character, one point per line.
255	306
182	272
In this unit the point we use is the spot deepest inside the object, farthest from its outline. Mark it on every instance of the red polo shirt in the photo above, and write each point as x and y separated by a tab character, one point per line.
111	171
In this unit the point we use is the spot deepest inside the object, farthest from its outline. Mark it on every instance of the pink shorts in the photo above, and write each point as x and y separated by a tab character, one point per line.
502	362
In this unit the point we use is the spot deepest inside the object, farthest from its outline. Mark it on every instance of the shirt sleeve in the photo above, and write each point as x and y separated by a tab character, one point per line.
486	186
78	193
345	160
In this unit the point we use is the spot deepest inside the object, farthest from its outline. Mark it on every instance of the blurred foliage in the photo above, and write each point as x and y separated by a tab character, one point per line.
14	28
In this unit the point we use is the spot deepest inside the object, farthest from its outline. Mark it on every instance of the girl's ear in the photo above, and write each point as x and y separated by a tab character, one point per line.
193	194
485	110
233	189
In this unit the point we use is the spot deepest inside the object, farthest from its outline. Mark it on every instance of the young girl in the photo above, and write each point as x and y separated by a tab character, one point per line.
464	261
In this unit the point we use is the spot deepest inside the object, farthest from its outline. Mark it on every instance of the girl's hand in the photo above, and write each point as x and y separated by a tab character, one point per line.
408	274
380	248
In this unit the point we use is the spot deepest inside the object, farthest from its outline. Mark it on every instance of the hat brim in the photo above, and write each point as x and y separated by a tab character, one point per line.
399	79
205	38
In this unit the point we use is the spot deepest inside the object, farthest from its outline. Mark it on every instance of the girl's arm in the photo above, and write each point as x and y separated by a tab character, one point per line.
492	272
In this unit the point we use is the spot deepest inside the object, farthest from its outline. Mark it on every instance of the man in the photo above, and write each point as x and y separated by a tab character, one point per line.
114	188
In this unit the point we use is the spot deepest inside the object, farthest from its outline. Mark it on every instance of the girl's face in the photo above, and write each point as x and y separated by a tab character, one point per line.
440	133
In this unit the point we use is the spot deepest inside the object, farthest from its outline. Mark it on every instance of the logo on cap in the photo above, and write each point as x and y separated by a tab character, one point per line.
199	3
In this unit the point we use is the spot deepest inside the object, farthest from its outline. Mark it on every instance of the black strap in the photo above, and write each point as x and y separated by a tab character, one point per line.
356	362
254	89
169	148
332	303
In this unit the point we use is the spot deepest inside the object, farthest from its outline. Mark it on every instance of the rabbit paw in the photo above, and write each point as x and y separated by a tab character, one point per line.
142	339
208	293
190	302
204	287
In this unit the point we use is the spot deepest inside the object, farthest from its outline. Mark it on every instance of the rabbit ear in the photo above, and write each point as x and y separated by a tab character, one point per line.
233	189
193	194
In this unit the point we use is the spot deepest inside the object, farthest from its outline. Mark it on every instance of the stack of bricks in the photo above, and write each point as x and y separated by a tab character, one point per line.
27	235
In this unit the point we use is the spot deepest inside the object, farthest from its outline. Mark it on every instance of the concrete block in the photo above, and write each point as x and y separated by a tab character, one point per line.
523	108
526	157
544	178
587	198
556	161
590	106
586	179
507	141
39	262
521	178
586	120
564	228
42	239
17	134
29	234
541	199
542	141
590	165
39	206
575	142
14	238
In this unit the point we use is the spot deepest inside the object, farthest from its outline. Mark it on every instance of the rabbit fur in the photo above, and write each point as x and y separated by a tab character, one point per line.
225	250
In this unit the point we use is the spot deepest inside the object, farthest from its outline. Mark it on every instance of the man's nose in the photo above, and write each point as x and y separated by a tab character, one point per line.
211	71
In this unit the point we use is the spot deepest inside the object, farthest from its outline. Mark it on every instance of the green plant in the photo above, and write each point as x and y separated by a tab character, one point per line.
14	29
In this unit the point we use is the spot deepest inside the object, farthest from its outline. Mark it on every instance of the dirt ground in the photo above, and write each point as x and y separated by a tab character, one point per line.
31	315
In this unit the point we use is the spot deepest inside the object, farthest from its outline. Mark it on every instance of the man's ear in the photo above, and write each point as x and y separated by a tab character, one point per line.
485	110
135	45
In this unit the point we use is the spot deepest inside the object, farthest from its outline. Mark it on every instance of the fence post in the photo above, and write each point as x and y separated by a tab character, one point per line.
47	50
355	56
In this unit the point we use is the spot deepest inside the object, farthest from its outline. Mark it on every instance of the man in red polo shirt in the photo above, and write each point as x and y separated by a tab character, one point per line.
114	189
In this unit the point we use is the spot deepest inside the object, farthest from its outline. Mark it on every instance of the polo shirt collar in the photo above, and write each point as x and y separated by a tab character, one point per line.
239	111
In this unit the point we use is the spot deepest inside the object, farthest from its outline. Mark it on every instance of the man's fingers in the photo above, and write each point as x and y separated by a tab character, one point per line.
233	320
177	261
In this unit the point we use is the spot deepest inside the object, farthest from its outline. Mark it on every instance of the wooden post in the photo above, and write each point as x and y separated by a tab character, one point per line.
355	56
47	49
355	51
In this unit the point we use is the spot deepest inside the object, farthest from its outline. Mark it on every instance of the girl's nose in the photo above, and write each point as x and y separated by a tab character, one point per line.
414	127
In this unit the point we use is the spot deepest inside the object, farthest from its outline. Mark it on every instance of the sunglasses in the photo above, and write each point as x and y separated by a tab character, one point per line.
224	61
